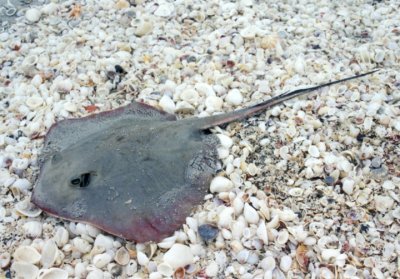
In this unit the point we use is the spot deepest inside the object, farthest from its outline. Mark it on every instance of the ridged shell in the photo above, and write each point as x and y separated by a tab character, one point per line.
122	256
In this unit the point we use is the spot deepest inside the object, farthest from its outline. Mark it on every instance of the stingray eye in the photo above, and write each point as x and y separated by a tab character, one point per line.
82	181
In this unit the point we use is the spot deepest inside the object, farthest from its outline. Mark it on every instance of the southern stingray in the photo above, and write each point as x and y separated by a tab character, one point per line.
135	172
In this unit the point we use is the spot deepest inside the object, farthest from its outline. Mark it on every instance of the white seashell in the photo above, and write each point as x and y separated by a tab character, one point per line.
204	89
104	241
212	269
213	103
220	184
20	164
122	256
348	185
53	273
33	229
234	97
313	151
167	243
299	65
165	10
142	259
64	86
388	185
22	184
262	232
34	102
285	263
92	231
310	241
82	245
328	254
33	15
242	256
273	223
248	32
225	217
287	215
296	192
95	274
268	263
5	260
383	203
341	260
70	107
49	253
131	268
282	238
238	227
373	108
325	273
184	107
141	27
178	256
61	236
101	260
167	104
27	254
226	141
396	213
165	269
24	270
250	214
155	275
238	205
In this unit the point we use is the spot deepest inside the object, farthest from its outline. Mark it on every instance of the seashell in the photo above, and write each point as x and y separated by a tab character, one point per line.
348	185
282	238
189	95
5	260
383	203
142	259
122	4
61	236
296	192
313	151
325	273
287	215
269	42
302	258
82	245
27	254
273	223
104	241
101	260
33	15
220	184
33	229
141	27
329	254
33	102
234	97
165	269
242	256
22	184
167	243
212	269
285	263
92	231
208	232
226	141
20	164
53	273
299	67
49	253
341	260
64	86
238	205
122	256
179	273
24	270
70	107
95	274
225	217
167	104
165	10
178	255
262	232
248	32
388	185
268	263
250	214
131	267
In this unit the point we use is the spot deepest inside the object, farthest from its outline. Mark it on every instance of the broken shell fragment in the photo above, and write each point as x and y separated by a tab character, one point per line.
25	270
122	256
53	273
27	254
178	256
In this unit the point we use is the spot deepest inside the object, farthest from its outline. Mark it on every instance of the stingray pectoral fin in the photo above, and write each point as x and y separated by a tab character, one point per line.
208	122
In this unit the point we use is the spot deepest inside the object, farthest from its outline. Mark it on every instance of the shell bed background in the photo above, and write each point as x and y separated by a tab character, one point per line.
309	189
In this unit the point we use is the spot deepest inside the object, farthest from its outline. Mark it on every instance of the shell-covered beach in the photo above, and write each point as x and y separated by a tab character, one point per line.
308	189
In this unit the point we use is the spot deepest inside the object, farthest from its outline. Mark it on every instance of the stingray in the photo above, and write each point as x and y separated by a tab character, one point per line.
135	172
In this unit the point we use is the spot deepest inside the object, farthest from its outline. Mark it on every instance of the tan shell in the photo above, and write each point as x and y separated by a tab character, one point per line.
122	256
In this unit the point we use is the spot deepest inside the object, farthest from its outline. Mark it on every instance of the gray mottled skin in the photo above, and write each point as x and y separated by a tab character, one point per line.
145	170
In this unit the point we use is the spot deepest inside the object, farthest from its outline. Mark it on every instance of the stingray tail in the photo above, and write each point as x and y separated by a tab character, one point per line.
215	120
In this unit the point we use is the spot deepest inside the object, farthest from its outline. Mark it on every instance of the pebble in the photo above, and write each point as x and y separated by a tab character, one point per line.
33	15
208	232
234	97
167	104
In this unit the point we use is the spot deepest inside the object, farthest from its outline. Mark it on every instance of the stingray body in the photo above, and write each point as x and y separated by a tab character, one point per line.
135	172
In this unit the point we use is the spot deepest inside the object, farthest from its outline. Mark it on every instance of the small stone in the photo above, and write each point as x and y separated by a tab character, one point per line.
348	186
234	97
33	15
167	104
142	28
208	232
